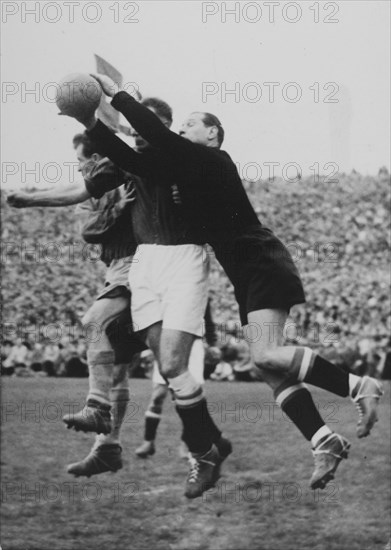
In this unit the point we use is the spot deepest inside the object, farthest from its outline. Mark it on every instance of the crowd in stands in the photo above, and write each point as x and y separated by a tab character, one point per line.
231	362
337	232
44	359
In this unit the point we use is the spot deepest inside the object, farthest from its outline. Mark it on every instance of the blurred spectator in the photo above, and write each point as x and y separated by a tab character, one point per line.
6	347
50	357
243	367
17	357
212	358
224	370
36	358
143	368
60	364
74	366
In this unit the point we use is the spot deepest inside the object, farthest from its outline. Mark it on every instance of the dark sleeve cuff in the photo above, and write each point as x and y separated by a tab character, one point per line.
120	98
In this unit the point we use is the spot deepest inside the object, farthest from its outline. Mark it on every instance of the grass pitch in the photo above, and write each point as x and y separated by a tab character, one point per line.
262	501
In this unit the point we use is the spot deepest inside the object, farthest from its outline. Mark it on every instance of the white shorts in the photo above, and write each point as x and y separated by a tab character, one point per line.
169	284
117	274
196	364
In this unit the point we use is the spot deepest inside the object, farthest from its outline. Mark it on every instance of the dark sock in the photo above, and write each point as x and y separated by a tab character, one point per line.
315	370
151	425
297	403
199	430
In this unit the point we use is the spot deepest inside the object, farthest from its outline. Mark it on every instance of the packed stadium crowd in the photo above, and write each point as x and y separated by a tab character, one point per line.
336	232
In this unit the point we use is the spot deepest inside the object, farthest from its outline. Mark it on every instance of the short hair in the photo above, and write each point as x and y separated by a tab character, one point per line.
162	109
211	120
89	146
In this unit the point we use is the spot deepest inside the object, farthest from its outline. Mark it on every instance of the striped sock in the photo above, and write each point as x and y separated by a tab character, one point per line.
297	403
309	367
321	434
100	365
119	399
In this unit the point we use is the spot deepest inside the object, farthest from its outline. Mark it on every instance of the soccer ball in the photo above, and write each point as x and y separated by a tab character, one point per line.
79	95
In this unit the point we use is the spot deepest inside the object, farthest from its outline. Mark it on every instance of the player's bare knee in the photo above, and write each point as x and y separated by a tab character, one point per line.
173	369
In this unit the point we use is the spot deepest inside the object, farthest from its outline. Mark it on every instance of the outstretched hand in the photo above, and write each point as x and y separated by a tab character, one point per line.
109	87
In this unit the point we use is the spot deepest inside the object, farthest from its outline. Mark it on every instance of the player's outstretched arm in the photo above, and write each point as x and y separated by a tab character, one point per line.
149	126
142	119
119	152
64	195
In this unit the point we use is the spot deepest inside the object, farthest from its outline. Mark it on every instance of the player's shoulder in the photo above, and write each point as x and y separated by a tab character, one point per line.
104	168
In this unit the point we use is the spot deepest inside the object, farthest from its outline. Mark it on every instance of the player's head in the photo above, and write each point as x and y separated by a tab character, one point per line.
86	150
161	110
203	128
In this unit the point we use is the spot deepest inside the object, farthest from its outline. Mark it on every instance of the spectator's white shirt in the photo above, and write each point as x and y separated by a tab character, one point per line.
223	371
18	354
51	353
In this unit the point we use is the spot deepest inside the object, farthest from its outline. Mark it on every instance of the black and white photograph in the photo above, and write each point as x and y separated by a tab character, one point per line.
195	275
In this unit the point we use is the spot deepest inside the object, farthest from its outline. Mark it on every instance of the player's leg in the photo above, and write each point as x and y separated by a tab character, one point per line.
101	358
270	280
153	415
106	453
304	365
151	335
169	285
119	399
125	345
265	336
204	440
159	394
172	348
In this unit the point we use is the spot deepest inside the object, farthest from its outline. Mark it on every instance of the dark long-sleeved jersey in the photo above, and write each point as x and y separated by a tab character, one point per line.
215	203
155	217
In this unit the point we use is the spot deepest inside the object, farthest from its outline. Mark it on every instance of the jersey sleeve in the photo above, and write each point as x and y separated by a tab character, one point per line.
150	127
119	152
101	177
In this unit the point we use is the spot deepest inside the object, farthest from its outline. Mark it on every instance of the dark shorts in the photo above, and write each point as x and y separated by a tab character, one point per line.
114	291
262	272
120	331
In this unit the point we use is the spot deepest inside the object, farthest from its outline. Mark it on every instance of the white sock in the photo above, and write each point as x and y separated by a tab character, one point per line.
100	365
354	380
186	390
119	403
320	434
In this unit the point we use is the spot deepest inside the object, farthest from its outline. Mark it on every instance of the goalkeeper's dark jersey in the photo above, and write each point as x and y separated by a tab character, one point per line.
215	205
